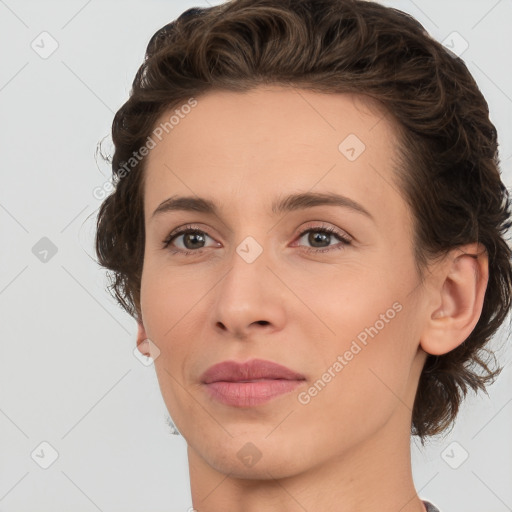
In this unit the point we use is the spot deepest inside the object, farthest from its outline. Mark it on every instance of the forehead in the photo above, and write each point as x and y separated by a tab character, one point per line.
250	146
243	119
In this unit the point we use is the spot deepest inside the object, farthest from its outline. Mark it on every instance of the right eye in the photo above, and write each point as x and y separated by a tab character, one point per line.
191	235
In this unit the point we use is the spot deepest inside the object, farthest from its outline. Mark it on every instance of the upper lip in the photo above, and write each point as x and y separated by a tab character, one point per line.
233	371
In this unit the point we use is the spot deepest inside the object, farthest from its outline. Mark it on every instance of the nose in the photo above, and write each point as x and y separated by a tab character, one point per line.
250	299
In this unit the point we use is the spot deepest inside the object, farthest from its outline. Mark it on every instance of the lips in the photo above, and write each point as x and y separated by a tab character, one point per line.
253	370
249	384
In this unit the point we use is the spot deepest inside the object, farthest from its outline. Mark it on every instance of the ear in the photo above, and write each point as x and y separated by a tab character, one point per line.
142	339
457	299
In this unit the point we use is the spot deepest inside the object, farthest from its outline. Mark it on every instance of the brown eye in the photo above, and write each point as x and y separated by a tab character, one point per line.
320	239
193	240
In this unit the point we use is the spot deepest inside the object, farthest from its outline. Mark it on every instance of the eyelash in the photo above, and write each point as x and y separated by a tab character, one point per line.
344	241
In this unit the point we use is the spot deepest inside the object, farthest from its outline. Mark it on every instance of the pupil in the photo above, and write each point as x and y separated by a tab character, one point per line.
313	238
195	236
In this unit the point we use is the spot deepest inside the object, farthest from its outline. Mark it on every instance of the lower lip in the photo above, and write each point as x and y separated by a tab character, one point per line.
249	394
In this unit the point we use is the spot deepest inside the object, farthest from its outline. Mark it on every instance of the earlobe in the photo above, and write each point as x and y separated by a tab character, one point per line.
459	299
142	340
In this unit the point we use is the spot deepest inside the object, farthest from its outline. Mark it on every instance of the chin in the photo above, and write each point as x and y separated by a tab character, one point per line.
253	457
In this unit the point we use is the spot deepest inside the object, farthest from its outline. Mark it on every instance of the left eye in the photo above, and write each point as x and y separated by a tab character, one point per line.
320	235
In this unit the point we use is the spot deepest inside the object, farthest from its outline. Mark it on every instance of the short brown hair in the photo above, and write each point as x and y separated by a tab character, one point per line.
449	166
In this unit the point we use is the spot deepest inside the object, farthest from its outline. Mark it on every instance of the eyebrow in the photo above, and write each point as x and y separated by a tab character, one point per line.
287	204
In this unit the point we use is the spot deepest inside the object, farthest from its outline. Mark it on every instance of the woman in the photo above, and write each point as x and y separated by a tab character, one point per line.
308	227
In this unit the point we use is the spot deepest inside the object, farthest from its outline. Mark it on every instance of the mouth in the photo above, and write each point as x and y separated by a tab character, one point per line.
248	384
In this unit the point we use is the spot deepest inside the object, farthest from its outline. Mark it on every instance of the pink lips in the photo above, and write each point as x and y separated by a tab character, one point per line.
251	383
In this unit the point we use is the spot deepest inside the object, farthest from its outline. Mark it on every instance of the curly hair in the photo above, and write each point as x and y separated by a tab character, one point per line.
448	170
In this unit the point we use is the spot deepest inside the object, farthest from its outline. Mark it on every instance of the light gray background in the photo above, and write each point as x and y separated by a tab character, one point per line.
68	375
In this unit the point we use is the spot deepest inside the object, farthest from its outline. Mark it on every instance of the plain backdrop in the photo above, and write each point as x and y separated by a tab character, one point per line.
68	375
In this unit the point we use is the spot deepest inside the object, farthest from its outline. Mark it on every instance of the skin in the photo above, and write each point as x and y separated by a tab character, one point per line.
348	449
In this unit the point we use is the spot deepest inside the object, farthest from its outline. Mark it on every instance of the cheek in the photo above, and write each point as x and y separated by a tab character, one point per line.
361	382
164	309
349	301
170	306
370	322
167	296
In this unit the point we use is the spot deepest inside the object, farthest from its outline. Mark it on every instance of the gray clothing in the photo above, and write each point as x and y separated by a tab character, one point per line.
430	507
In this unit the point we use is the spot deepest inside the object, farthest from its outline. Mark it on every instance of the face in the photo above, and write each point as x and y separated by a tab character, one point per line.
328	290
